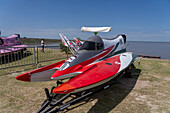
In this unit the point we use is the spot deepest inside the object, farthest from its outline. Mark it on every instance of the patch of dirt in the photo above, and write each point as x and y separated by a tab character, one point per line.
14	74
141	98
94	102
160	94
157	76
167	78
152	106
141	84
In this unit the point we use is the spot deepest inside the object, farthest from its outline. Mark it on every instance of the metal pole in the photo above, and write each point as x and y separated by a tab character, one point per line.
21	56
37	55
67	52
0	58
34	57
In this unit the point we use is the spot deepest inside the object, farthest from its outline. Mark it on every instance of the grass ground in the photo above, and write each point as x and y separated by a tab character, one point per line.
146	92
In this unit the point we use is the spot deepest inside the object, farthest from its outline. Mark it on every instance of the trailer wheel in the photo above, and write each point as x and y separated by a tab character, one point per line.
129	71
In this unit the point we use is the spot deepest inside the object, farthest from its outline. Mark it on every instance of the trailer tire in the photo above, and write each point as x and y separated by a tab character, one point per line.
129	71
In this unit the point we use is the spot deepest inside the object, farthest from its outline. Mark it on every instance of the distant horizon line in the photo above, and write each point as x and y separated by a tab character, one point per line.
127	40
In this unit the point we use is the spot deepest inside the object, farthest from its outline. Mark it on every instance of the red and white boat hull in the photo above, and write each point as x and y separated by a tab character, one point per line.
100	73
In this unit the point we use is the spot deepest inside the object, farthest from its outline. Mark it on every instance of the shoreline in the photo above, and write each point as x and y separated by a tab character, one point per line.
37	41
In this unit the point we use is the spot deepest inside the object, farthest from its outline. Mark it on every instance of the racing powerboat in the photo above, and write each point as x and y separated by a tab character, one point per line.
11	44
95	63
93	50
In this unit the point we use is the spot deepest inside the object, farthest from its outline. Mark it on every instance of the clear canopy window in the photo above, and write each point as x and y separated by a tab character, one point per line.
87	45
99	46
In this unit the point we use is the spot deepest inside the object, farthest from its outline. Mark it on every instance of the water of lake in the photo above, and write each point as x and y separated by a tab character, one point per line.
150	48
144	48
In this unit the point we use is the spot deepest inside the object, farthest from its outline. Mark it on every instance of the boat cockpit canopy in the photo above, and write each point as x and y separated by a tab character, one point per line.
93	43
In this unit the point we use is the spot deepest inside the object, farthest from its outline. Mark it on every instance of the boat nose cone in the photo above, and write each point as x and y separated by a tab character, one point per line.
23	77
64	89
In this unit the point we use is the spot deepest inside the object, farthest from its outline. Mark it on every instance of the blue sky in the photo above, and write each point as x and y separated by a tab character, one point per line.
140	20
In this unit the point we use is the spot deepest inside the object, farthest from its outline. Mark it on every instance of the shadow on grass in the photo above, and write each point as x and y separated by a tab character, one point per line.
108	99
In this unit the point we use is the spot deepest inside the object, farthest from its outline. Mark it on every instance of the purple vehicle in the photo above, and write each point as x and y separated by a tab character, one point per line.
8	44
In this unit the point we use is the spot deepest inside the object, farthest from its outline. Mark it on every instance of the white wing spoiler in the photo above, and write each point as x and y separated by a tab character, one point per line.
96	29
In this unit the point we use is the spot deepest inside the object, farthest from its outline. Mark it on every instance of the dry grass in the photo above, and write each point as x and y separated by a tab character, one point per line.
146	92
